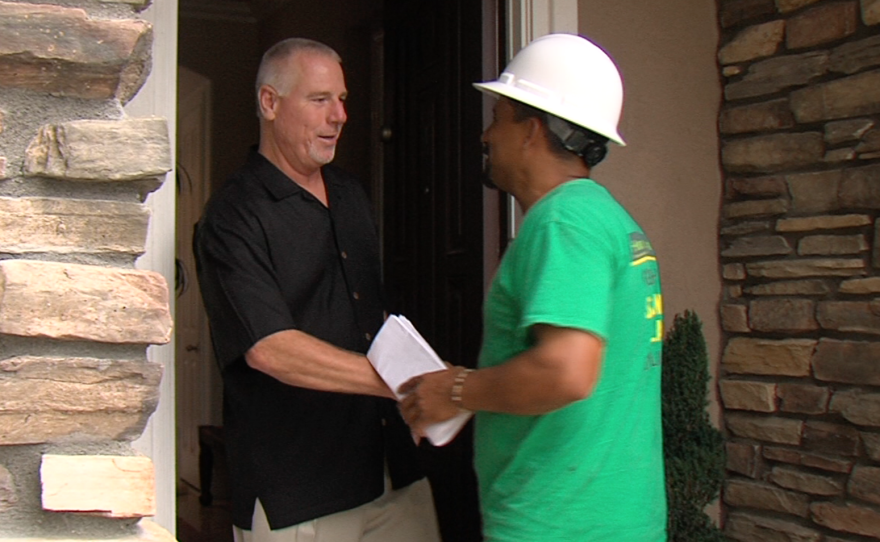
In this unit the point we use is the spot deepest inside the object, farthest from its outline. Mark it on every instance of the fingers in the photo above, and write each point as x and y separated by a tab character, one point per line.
407	387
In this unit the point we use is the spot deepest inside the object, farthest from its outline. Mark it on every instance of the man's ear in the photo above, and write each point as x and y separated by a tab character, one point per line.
268	102
534	132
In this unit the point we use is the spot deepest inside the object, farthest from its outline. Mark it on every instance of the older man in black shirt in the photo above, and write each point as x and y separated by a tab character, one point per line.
288	265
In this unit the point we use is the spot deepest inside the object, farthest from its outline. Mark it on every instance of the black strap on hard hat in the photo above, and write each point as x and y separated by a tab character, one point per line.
585	143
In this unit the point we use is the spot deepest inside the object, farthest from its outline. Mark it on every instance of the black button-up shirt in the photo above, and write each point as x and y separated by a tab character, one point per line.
271	257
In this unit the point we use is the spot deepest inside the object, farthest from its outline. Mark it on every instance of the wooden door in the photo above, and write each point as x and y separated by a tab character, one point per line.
432	208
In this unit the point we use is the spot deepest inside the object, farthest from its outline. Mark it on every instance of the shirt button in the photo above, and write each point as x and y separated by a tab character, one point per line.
344	255
356	295
368	336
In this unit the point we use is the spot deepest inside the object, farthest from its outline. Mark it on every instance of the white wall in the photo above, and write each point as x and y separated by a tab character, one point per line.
669	175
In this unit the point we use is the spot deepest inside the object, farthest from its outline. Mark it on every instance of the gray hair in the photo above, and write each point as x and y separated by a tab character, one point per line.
270	72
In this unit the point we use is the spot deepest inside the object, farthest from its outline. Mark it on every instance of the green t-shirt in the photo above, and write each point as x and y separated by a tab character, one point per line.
592	470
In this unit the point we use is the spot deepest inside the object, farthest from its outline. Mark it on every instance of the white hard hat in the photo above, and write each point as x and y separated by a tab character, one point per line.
568	76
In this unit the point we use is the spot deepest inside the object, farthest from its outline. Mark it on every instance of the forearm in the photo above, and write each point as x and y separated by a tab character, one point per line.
298	359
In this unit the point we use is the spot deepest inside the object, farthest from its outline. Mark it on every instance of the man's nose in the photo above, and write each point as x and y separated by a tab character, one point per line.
337	113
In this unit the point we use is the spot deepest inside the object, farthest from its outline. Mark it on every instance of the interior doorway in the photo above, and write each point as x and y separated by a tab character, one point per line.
412	137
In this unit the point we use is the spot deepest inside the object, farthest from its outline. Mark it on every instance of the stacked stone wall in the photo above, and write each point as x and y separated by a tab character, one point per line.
76	316
800	254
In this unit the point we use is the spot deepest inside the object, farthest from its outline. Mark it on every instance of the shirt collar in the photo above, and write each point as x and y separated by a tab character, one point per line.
277	182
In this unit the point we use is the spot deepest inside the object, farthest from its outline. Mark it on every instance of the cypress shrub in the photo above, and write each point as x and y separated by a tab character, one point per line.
692	447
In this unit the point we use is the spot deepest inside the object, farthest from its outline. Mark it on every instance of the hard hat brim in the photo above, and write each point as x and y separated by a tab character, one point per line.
496	88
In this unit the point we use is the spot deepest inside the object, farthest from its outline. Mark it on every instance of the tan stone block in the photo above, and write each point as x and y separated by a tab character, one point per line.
63	399
791	287
847	362
762	207
733	292
870	144
44	225
869	285
108	486
747	395
770	153
849	518
857	407
842	131
750	528
736	271
743	458
141	4
2	167
829	222
858	187
778	73
757	245
730	71
822	24
60	50
851	96
734	318
83	302
806	482
736	11
872	445
783	314
765	497
814	192
765	428
851	316
854	56
101	150
745	228
766	186
831	438
802	398
789	357
864	484
792	269
760	117
871	12
829	245
8	495
807	459
756	41
144	531
786	6
835	156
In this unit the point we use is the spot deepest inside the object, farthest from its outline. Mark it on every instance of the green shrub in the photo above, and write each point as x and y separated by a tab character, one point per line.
692	447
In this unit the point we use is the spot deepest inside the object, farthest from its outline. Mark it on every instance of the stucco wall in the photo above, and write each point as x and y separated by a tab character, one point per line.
668	176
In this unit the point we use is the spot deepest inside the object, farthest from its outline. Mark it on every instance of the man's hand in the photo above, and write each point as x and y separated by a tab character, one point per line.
428	400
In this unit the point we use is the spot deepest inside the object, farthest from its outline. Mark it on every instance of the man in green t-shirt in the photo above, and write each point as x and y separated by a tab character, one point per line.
568	443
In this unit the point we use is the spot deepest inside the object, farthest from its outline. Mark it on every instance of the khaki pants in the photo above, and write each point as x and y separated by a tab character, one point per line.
405	515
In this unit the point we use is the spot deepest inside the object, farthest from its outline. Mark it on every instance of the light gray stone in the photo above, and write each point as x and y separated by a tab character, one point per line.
847	362
765	497
748	395
792	269
857	407
789	357
843	131
62	399
43	225
791	287
776	152
83	302
849	518
854	56
871	12
822	24
778	73
829	245
8	495
870	285
101	150
759	245
828	222
805	482
782	315
753	42
62	51
851	96
771	429
815	192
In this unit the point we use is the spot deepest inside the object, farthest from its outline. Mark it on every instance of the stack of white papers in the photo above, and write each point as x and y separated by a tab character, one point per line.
400	353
